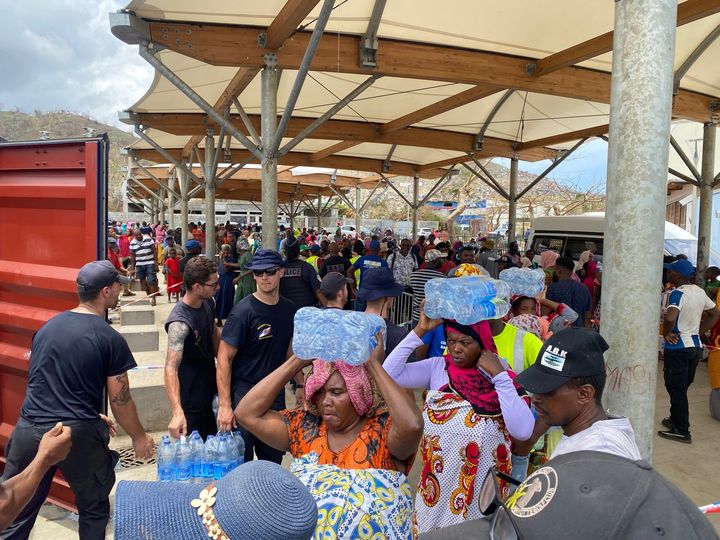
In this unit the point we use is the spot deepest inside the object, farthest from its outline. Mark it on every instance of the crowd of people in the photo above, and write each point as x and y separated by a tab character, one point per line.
516	400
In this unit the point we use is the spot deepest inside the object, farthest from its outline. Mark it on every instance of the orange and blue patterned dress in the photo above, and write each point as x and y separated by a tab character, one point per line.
369	451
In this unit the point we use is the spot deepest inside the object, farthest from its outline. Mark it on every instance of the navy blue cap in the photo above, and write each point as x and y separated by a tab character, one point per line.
98	274
378	283
192	244
681	266
315	248
265	259
145	230
374	244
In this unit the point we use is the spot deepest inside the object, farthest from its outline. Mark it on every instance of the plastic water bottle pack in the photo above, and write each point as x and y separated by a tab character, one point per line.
334	334
467	300
189	459
524	281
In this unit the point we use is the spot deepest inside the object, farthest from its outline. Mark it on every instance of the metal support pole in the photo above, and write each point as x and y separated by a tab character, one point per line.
358	217
268	124
319	214
184	181
171	200
706	197
209	173
161	206
640	109
416	196
512	200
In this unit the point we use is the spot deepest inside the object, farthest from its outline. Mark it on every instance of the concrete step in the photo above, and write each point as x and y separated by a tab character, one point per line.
137	315
141	337
135	285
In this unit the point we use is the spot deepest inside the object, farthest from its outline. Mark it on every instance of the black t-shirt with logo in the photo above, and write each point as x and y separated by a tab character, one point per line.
262	334
72	356
335	263
299	283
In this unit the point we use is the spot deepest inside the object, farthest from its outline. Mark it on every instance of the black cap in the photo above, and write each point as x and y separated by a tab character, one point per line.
265	259
333	282
573	352
378	283
598	496
98	274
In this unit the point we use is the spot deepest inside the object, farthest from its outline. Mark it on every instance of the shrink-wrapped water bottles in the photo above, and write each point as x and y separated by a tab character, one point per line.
208	462
467	299
333	334
524	281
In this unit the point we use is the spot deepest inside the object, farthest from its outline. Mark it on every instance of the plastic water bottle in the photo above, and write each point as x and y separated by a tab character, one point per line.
166	459
345	335
467	299
196	452
223	457
183	460
208	459
524	281
239	447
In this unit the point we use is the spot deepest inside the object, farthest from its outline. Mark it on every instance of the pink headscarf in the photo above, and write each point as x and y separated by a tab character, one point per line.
529	323
548	258
356	379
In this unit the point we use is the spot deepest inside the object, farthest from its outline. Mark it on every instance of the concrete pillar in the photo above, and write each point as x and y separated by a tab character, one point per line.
358	216
184	184
209	178
706	197
171	201
416	197
161	207
512	203
640	108
268	110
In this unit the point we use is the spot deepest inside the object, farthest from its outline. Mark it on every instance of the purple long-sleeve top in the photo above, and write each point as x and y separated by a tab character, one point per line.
431	374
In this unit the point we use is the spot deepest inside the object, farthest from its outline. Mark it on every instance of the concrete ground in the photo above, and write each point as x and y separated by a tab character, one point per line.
693	468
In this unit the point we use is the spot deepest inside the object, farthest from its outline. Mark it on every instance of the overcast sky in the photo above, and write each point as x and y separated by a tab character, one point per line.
60	54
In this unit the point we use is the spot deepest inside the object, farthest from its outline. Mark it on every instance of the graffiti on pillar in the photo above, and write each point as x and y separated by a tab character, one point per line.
635	378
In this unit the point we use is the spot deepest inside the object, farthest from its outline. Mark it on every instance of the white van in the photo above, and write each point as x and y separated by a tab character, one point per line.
571	235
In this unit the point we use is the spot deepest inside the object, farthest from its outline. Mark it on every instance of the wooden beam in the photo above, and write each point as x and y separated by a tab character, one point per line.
444	105
334	149
224	45
302	159
346	130
565	137
687	12
286	21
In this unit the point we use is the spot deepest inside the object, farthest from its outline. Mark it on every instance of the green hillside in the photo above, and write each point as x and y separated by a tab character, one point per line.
20	126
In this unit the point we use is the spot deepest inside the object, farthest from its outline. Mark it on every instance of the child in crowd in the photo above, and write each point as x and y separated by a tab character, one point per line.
172	272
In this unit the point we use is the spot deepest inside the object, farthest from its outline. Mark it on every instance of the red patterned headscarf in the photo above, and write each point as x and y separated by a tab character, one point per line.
470	383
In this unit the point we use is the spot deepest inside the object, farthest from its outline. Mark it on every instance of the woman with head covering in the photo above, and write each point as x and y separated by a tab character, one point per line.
244	283
224	296
354	418
472	410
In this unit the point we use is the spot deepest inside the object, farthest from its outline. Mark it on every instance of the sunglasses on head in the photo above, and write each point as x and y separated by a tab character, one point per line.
268	272
490	503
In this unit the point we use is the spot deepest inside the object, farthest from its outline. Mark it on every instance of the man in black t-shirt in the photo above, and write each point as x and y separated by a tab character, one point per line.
255	341
335	262
193	340
74	356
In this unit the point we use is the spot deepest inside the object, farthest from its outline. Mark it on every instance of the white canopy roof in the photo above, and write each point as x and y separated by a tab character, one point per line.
427	53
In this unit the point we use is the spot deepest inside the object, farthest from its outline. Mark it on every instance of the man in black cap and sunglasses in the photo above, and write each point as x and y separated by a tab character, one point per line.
255	341
590	495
